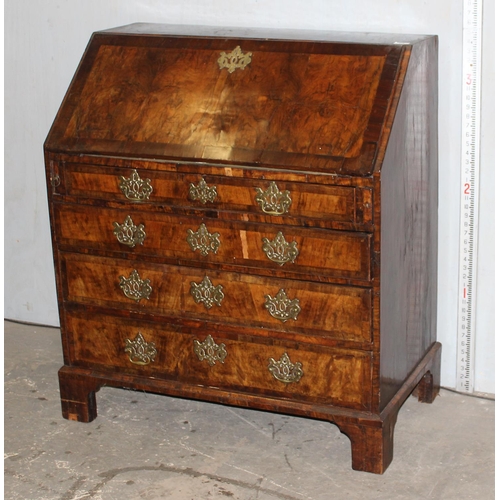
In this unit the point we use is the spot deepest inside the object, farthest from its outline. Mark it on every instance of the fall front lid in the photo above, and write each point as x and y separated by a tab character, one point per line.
321	107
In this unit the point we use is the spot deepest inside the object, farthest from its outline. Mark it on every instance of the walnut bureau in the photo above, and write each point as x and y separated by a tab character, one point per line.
249	218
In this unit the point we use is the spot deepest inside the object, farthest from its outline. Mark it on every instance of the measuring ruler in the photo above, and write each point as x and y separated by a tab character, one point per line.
471	89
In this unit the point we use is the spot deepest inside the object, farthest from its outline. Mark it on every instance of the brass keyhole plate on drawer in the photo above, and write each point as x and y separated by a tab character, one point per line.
209	351
207	293
203	241
202	192
134	287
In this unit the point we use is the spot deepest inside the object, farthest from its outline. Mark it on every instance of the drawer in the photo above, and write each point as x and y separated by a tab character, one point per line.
263	247
326	310
280	200
199	357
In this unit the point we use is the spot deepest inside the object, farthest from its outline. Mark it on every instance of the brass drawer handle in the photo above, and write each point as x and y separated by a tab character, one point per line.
134	287
128	233
207	293
209	351
272	201
234	60
281	307
202	192
203	241
139	351
134	188
279	250
284	370
55	181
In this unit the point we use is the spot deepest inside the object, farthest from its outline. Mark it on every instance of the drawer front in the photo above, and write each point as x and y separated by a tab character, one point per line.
268	199
330	375
333	311
342	255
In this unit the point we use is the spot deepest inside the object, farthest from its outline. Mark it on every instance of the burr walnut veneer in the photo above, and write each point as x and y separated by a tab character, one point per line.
250	218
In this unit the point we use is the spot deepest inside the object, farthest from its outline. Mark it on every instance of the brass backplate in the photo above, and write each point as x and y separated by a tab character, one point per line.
281	307
139	351
236	59
203	241
284	370
134	188
209	351
207	293
279	250
134	287
128	233
202	192
272	201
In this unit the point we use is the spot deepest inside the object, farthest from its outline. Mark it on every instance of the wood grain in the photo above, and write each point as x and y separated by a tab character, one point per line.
332	376
326	310
347	127
315	202
409	194
186	100
339	255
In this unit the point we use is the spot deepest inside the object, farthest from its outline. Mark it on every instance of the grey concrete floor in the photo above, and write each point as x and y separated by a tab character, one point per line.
146	446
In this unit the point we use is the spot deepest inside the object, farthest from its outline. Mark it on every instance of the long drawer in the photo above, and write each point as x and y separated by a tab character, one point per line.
282	200
336	376
337	254
333	311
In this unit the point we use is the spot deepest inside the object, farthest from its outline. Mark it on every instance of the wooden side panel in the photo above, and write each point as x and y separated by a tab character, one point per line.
326	310
409	190
330	376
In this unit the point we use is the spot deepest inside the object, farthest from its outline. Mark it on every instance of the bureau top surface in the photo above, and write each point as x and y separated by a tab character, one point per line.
316	101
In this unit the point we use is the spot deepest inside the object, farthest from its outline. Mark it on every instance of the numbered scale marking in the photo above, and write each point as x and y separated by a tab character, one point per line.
471	74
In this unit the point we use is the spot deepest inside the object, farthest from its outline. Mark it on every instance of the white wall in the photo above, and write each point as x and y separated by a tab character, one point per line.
44	41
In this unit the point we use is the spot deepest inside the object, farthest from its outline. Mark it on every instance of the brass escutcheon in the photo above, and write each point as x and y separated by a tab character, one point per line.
128	233
134	287
203	241
202	192
234	60
272	201
134	188
284	370
207	293
139	351
209	351
279	250
281	307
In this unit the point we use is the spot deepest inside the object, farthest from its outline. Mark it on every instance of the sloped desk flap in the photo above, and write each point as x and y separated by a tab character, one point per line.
320	107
